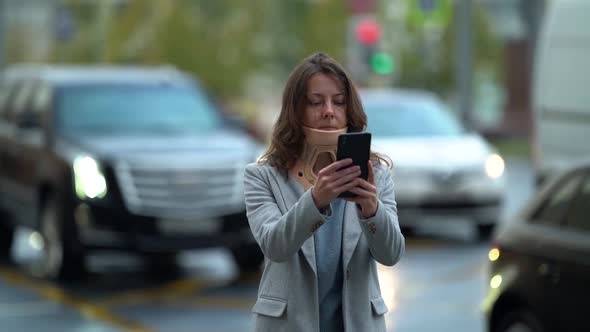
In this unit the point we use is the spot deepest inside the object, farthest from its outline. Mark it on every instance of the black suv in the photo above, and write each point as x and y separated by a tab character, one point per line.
128	158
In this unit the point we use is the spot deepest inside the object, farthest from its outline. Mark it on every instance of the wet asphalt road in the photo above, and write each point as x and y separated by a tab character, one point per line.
438	286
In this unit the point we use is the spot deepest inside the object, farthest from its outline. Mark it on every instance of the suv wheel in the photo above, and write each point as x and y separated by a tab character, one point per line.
248	257
59	257
520	321
6	238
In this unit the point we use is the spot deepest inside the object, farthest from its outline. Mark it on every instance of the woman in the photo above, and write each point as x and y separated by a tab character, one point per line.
320	250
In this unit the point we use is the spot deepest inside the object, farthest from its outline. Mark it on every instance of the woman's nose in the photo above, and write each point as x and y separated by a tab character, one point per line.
328	110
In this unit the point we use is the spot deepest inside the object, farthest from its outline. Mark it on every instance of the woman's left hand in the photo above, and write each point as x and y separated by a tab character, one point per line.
366	194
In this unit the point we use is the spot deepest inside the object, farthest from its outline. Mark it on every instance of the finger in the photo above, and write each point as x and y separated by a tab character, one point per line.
335	166
371	177
362	193
342	173
367	185
346	186
342	176
346	170
336	186
352	199
347	178
349	186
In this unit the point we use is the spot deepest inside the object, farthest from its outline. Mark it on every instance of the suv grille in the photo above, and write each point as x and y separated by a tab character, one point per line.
191	192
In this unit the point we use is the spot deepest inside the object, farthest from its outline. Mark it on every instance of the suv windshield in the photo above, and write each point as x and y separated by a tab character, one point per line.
135	109
411	119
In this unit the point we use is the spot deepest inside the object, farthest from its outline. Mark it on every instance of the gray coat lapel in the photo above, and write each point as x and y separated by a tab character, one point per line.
352	232
308	249
291	191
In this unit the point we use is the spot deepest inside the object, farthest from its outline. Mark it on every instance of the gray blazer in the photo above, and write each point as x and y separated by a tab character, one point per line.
283	219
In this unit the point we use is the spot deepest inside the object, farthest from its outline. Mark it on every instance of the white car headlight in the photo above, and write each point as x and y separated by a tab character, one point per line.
89	181
494	166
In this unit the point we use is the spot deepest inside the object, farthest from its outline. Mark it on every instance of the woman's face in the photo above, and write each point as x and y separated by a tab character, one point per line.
326	103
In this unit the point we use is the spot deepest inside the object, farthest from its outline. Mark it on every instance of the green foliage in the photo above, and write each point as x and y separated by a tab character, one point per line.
325	27
221	42
414	71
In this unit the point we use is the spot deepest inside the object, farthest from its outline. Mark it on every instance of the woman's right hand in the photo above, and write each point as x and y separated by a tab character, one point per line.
333	180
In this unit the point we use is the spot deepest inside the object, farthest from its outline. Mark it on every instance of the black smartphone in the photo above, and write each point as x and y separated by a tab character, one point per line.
356	146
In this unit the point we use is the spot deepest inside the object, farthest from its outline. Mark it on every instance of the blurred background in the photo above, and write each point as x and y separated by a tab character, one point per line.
126	124
243	52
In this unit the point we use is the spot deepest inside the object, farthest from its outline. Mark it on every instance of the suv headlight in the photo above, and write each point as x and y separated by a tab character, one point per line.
89	181
494	166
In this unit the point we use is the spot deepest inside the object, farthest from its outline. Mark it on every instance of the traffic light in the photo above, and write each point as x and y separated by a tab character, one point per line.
368	32
382	63
368	36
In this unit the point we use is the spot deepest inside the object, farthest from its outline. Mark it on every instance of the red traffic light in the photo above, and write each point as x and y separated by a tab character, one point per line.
368	32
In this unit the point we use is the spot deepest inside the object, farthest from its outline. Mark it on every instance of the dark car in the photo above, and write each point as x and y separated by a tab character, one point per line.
127	158
539	270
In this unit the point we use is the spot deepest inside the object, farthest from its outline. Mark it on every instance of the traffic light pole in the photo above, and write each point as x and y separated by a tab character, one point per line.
2	29
464	60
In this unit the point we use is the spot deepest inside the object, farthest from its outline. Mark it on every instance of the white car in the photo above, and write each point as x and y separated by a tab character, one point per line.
441	171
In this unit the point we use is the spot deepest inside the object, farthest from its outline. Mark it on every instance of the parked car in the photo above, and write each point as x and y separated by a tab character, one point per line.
560	95
441	170
128	158
539	269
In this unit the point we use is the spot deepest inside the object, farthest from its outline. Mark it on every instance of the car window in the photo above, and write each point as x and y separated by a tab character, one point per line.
578	216
136	109
410	119
6	89
22	99
41	99
555	207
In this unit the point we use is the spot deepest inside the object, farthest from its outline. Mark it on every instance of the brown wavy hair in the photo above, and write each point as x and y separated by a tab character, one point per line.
287	138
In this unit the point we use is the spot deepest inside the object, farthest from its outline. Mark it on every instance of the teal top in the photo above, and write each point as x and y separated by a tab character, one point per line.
328	255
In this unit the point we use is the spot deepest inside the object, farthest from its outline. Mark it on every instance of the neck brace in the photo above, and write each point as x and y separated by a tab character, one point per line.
319	151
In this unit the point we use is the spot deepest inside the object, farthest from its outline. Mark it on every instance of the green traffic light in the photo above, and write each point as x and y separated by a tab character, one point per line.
382	63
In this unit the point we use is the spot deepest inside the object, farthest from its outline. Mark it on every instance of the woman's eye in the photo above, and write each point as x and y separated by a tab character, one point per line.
315	103
340	102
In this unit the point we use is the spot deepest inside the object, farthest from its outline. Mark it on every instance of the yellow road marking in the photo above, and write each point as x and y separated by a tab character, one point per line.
174	290
226	302
87	309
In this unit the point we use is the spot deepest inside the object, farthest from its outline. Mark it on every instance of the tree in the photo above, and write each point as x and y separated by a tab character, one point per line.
413	55
221	42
